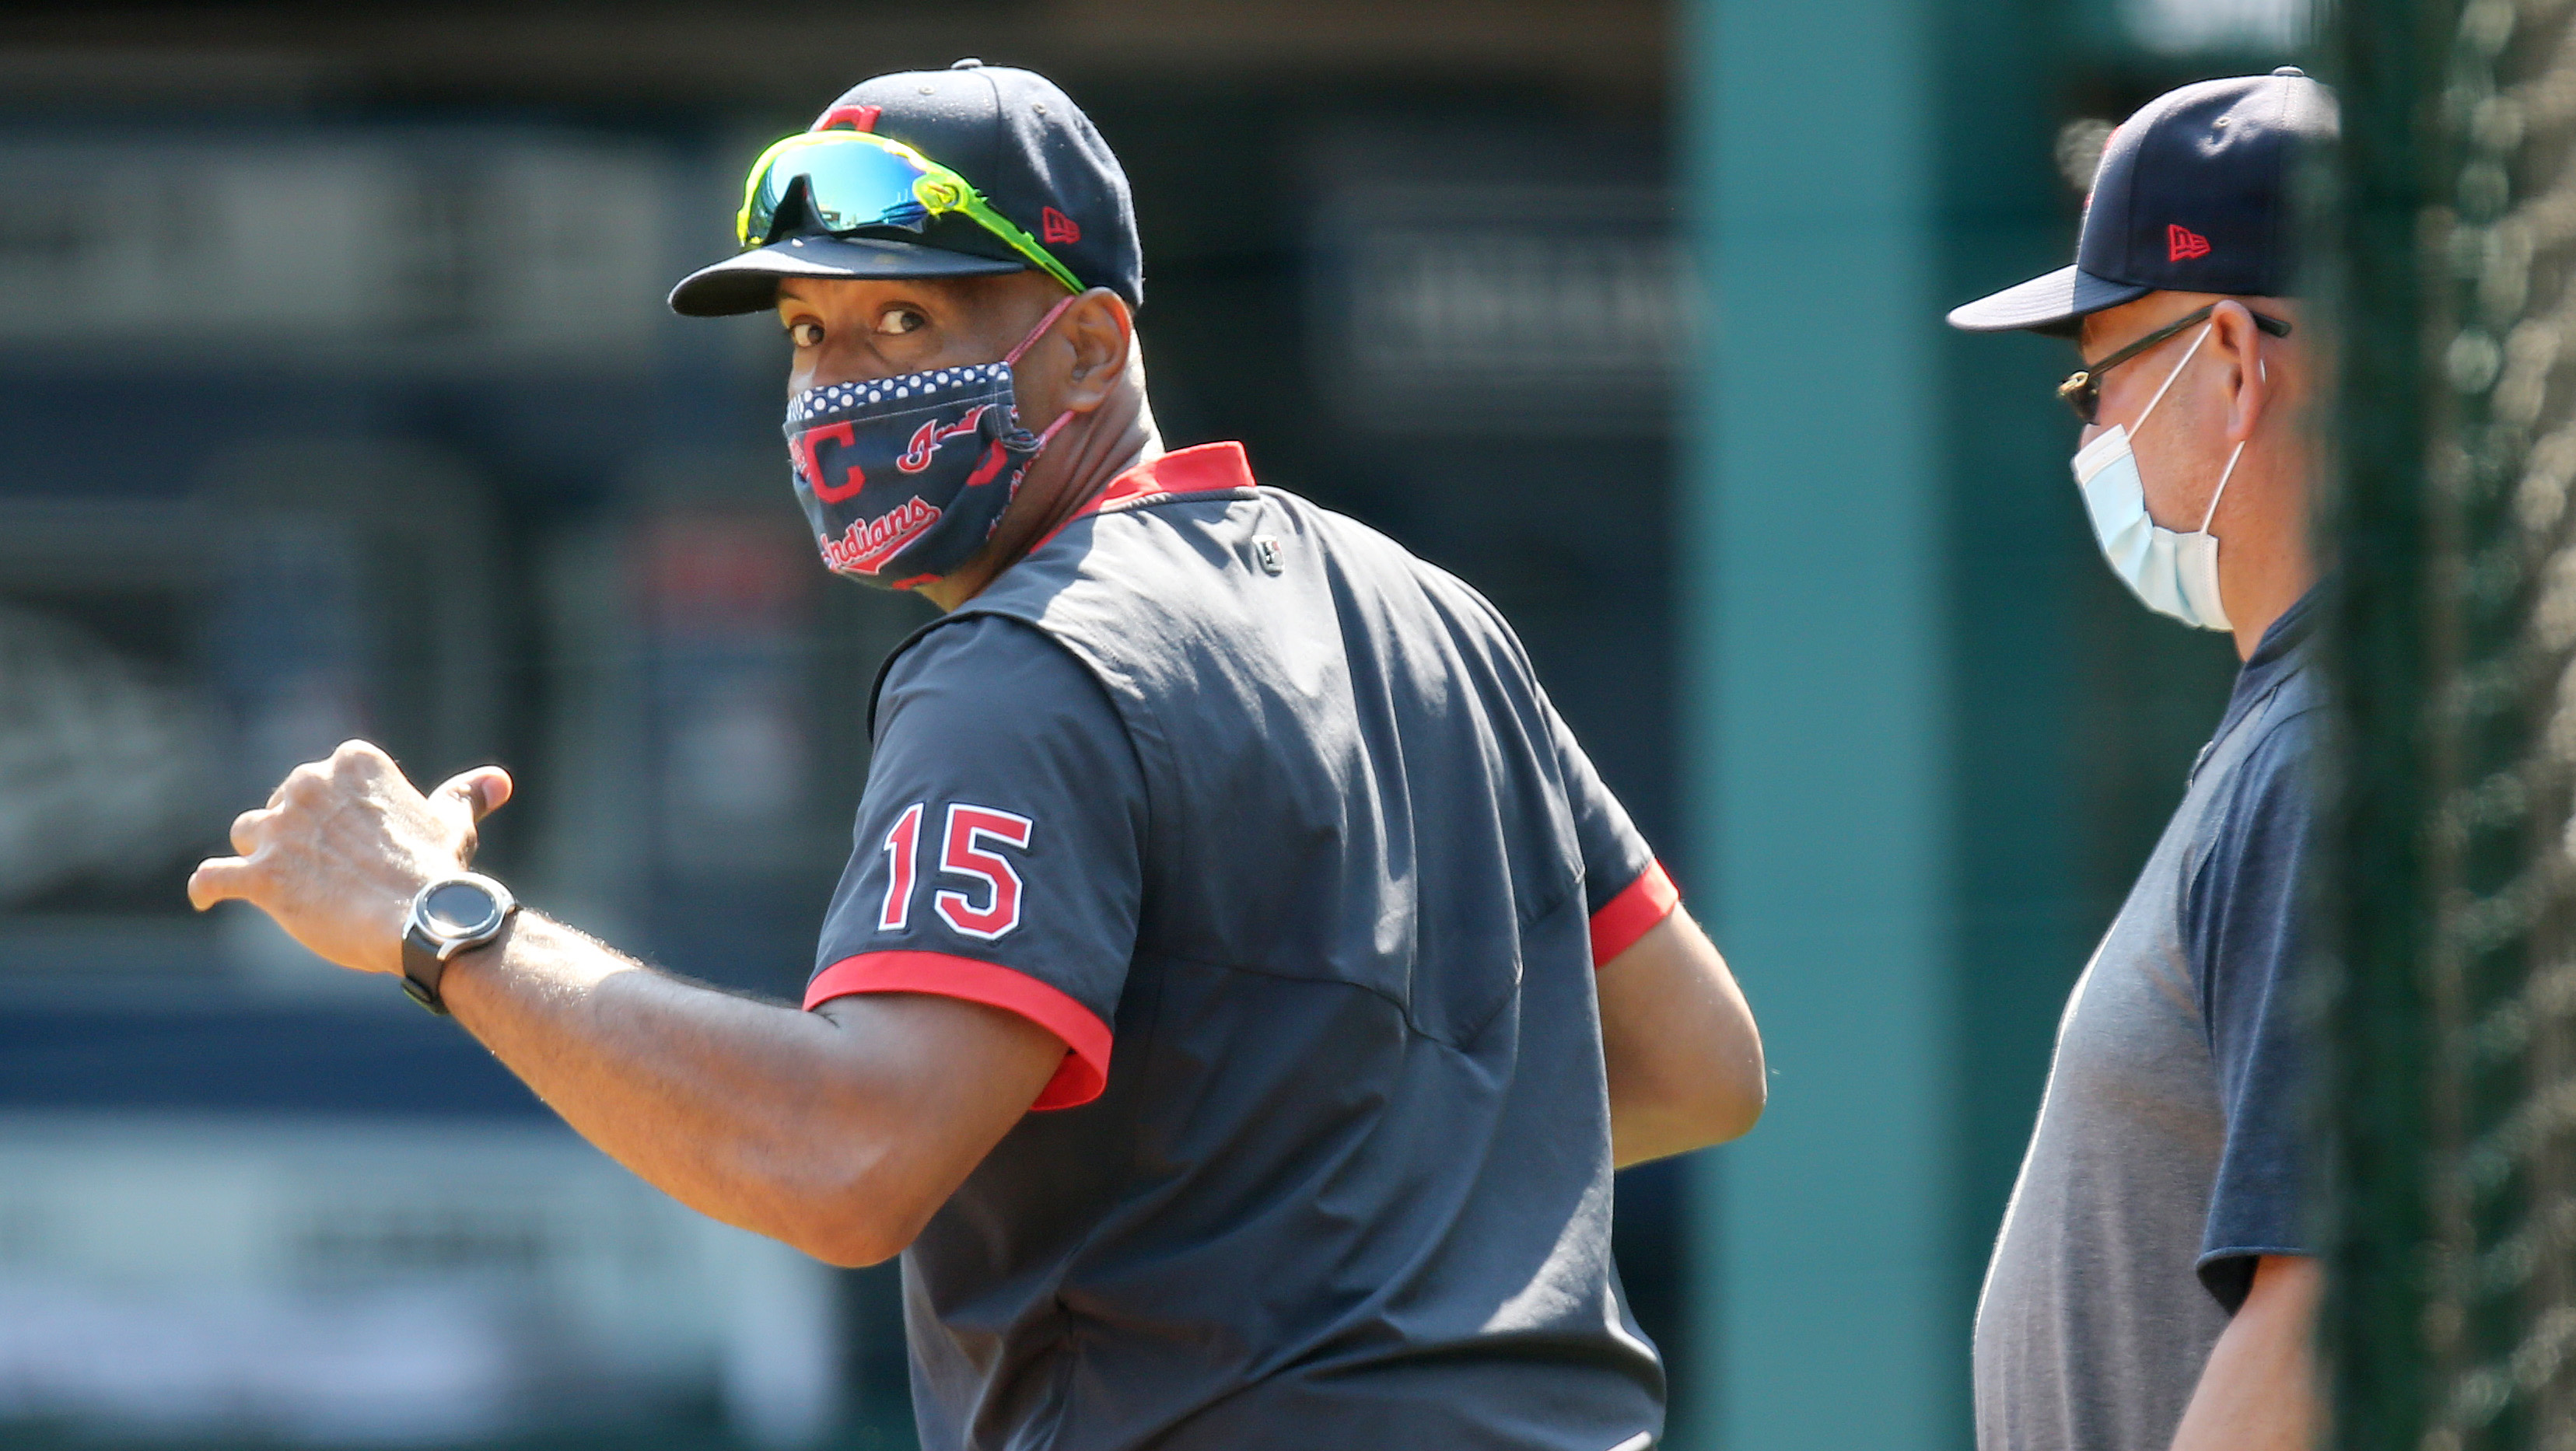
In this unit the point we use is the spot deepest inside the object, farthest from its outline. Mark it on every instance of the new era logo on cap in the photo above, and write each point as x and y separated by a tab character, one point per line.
2182	243
1059	227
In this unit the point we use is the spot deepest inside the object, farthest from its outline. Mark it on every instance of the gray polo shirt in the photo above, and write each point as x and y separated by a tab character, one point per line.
1269	822
2166	1158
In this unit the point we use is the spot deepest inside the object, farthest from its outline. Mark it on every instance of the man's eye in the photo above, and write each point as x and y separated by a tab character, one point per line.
805	334
901	320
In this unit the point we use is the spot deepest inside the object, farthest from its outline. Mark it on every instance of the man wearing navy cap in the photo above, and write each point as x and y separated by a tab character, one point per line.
2152	1286
1241	987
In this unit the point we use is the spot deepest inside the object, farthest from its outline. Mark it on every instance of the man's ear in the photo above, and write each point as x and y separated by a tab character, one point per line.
2239	345
1101	332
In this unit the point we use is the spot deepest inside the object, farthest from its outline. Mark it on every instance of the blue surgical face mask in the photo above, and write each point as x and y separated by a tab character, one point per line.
2174	574
904	478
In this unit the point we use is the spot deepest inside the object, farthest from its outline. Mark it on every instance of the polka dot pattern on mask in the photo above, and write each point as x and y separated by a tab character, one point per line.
906	388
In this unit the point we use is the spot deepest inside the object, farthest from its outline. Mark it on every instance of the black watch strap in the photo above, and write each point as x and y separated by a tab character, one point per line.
422	968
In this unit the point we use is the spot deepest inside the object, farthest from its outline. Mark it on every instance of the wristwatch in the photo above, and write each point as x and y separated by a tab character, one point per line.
451	915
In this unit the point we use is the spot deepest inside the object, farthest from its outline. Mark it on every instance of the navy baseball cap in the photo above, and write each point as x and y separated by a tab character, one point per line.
1012	134
2193	195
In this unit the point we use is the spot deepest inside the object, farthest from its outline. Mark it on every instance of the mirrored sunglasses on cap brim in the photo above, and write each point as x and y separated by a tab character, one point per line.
855	180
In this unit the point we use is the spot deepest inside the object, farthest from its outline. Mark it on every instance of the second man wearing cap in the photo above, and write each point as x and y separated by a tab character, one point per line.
2153	1285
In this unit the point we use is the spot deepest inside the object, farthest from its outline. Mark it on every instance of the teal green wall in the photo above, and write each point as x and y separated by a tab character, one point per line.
1825	728
1891	734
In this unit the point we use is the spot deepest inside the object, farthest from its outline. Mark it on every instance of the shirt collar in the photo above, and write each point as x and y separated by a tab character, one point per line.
2287	633
1202	468
2281	653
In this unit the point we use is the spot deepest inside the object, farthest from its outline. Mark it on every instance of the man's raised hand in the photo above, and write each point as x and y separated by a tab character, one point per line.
340	849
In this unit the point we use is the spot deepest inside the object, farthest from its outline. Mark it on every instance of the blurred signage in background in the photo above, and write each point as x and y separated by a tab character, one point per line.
114	753
105	762
1517	308
164	663
349	1285
392	248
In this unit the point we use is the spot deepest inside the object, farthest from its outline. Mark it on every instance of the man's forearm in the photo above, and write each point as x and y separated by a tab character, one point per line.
2258	1391
839	1131
754	1113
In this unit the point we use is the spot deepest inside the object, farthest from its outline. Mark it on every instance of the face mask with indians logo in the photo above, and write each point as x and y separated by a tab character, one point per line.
904	478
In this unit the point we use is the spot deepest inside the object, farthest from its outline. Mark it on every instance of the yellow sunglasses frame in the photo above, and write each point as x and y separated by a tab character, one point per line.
939	189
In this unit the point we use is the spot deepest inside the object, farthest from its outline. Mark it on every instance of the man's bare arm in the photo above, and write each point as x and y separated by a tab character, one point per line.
2258	1392
839	1131
1684	1056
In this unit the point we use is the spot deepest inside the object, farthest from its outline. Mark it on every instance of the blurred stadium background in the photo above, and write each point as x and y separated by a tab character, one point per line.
337	397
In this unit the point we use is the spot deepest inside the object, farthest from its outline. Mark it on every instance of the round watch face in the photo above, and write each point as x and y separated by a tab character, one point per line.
458	909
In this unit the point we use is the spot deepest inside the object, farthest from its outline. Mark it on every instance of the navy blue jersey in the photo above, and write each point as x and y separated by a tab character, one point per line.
2245	925
2166	1162
1270	823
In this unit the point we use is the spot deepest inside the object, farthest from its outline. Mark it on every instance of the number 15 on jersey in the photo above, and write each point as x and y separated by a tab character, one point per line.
966	850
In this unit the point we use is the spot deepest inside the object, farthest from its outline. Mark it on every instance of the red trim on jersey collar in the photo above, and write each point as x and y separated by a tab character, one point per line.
1085	1070
1633	913
1202	468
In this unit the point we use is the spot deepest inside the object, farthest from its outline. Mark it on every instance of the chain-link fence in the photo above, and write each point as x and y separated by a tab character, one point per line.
2452	1096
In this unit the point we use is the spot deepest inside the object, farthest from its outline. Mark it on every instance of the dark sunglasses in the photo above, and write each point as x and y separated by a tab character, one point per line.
2082	389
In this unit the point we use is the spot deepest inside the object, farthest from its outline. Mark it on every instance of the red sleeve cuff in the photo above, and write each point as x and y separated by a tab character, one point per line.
1633	913
1086	1039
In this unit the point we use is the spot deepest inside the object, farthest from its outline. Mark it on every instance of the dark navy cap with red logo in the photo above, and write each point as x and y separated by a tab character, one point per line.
2193	195
1014	135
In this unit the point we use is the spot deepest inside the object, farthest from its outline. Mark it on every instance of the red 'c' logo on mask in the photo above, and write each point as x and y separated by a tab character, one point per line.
851	482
